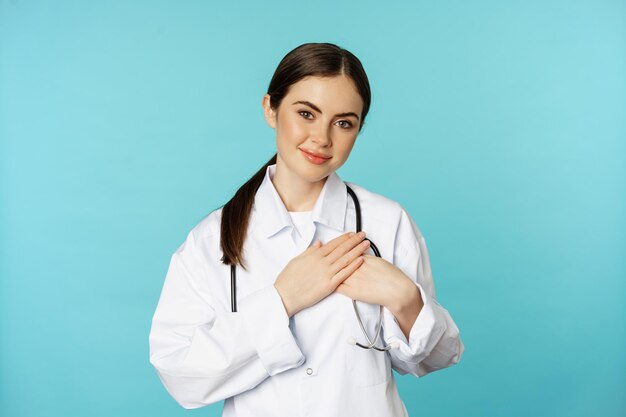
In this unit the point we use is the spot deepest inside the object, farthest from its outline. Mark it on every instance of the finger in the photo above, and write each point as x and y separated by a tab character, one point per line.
344	248
332	244
314	246
343	274
350	256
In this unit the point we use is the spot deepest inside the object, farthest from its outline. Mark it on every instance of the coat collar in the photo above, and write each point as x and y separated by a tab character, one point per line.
329	209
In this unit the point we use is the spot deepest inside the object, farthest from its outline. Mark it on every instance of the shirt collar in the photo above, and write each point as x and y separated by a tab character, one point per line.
329	209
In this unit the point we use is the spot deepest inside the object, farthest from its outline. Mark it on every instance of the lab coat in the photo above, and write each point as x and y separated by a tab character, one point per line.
263	363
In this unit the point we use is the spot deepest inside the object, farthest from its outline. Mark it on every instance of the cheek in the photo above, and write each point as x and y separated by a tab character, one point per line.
290	132
346	147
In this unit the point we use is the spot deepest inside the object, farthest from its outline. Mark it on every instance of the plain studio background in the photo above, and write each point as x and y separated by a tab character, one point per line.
500	126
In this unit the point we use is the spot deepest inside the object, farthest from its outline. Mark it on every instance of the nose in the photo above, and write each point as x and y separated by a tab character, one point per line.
321	137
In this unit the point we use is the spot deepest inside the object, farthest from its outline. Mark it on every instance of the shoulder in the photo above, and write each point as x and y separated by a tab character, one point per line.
377	204
205	231
381	207
389	212
209	225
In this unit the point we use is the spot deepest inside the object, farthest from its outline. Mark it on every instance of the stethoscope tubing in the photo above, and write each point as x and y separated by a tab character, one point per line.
357	208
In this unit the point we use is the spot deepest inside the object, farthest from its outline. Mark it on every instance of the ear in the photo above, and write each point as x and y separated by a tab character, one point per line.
269	113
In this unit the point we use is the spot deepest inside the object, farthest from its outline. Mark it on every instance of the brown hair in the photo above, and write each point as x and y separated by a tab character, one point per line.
309	59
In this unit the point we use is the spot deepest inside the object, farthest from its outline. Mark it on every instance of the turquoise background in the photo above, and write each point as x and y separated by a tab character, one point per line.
500	126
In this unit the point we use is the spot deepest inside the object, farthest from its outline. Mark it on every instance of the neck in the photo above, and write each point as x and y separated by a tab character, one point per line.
296	193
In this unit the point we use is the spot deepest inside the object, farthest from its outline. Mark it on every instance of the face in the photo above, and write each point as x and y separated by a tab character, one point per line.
318	116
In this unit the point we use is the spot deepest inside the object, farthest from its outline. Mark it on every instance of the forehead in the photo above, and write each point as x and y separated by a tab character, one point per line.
331	93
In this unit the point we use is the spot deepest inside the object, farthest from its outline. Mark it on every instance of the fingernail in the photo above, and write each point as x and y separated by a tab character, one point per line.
361	234
351	234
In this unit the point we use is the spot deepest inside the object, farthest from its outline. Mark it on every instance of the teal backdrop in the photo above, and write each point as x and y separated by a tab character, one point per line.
499	125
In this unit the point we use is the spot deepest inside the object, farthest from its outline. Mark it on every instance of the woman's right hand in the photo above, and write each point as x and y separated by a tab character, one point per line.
316	272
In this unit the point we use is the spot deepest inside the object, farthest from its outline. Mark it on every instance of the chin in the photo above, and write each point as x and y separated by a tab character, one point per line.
315	173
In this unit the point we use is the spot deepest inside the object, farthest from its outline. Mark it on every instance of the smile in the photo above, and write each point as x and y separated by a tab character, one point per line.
314	159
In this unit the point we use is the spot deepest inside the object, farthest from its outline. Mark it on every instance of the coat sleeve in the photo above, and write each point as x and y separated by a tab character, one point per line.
434	340
203	356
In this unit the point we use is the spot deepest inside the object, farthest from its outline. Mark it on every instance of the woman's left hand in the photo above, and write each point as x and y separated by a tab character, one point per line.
378	281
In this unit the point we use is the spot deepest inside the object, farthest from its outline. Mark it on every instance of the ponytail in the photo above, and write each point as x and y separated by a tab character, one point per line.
236	216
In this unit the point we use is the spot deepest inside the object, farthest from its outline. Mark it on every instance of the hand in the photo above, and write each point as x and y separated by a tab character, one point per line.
377	281
316	272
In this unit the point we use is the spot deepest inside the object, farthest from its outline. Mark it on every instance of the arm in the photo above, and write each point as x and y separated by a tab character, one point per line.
433	338
203	356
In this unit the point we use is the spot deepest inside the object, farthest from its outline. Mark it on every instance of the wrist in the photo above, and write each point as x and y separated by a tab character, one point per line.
407	302
288	308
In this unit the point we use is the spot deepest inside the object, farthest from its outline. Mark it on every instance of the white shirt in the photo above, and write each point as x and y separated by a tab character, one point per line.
303	229
263	363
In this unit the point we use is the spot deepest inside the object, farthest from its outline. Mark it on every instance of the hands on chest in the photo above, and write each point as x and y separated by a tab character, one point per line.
341	266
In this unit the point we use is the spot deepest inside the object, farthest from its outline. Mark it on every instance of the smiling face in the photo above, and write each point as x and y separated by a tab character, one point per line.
318	116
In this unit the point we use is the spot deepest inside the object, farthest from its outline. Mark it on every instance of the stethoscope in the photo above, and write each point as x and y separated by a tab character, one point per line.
357	206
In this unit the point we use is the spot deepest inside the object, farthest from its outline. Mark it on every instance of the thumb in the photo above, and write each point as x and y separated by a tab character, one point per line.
316	244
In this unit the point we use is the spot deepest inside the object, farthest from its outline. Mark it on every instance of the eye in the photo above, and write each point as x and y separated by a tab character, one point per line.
307	112
347	124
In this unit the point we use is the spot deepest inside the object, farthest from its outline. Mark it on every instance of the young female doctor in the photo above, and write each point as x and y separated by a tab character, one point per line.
259	305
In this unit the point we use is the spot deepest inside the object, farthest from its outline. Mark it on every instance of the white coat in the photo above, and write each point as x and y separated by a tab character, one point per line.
263	363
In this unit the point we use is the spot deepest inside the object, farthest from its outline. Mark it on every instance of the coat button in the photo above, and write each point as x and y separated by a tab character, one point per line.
309	371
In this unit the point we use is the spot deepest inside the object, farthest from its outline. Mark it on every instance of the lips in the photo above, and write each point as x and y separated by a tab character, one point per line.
318	155
312	158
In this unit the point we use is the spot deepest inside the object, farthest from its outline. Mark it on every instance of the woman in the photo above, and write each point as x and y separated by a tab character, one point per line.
283	341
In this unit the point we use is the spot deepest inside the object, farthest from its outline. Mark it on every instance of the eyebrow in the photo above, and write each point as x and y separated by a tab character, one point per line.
317	109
